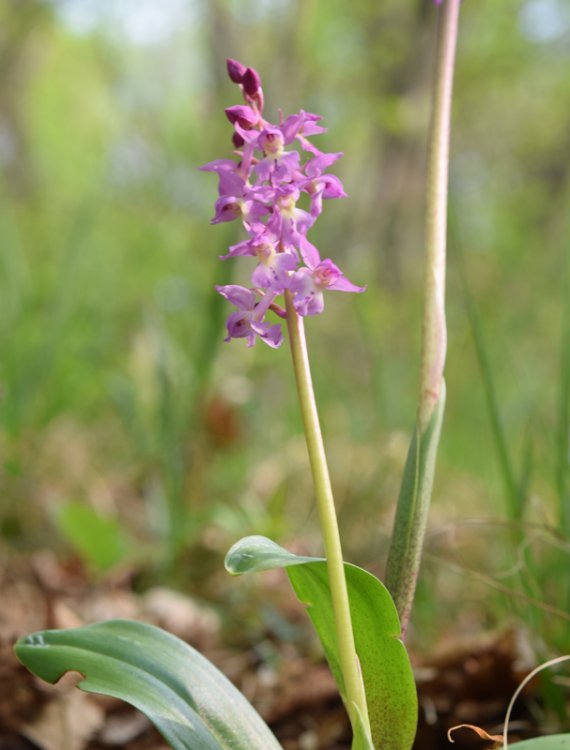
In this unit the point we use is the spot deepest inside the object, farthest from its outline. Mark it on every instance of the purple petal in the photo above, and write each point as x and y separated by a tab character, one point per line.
270	334
262	276
237	326
242	298
244	116
273	336
242	248
287	165
219	166
292	126
227	208
316	304
303	220
264	168
310	128
316	203
309	253
342	284
261	193
273	270
307	299
253	211
308	146
315	167
332	186
326	273
231	182
271	141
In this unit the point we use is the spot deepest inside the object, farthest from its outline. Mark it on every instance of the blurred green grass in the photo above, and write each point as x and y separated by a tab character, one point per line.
117	389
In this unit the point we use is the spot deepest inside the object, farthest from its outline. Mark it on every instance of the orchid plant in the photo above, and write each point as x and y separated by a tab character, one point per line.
361	623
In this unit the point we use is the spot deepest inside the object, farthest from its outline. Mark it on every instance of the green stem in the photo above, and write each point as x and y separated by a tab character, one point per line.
327	515
415	494
434	336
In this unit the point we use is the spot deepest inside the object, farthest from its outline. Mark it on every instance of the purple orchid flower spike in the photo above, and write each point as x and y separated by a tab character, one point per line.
278	166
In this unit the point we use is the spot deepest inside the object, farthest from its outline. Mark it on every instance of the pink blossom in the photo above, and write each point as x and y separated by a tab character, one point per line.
308	285
247	321
263	189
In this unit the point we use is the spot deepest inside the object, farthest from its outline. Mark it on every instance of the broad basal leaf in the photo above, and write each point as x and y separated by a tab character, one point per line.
386	670
189	701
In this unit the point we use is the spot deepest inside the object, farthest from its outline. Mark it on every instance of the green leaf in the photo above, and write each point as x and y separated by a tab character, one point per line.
412	512
99	540
551	742
188	700
387	674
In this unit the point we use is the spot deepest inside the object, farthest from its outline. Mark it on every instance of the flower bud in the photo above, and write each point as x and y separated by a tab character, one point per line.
237	140
246	117
251	82
235	70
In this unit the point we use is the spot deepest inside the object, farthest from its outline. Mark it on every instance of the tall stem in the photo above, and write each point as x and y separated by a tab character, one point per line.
434	337
327	515
415	494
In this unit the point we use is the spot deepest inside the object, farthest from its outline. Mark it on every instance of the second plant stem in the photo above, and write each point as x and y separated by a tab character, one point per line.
413	504
349	665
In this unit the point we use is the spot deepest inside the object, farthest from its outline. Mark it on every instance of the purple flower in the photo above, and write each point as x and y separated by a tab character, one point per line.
247	321
274	263
230	207
320	185
300	126
288	222
237	199
277	167
274	267
325	186
308	284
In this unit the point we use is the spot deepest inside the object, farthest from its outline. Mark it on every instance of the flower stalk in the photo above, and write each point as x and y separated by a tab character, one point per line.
413	504
349	665
262	190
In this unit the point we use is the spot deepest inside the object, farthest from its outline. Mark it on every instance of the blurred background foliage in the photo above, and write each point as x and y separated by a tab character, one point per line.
131	434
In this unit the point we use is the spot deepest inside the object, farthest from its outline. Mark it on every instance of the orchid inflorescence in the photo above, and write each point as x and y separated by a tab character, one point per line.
262	189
